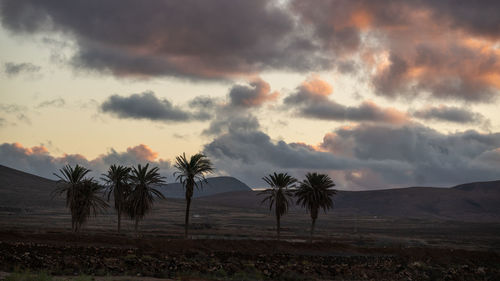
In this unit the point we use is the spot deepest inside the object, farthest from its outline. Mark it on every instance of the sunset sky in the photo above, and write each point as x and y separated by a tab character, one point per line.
378	94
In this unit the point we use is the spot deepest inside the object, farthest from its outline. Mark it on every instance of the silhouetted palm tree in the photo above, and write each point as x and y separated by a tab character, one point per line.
190	174
82	194
143	193
315	193
278	195
117	182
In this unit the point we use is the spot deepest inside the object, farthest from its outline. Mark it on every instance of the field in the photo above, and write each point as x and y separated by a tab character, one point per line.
236	242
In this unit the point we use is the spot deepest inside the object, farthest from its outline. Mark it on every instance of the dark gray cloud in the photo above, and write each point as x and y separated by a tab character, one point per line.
366	111
58	102
147	106
433	157
204	103
311	100
225	38
254	95
231	121
244	151
37	160
449	114
476	17
14	69
368	155
190	39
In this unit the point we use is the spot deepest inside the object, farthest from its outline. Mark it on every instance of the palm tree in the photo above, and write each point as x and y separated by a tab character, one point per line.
143	193
117	181
82	194
278	195
190	174
315	193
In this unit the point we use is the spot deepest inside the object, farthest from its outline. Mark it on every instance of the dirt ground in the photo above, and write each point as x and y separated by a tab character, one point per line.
105	254
229	243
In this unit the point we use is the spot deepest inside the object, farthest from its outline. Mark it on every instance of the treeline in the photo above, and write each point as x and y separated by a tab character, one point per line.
134	191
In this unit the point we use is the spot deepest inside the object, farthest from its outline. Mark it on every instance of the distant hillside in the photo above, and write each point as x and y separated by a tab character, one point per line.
479	201
23	190
468	202
215	185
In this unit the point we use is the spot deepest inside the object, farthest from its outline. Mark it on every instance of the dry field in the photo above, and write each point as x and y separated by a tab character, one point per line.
237	243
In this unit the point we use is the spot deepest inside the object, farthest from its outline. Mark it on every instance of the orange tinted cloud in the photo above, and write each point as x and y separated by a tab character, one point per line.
254	95
316	86
31	151
361	19
143	152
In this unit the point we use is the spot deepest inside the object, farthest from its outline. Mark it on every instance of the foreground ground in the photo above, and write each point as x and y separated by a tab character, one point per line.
232	240
104	254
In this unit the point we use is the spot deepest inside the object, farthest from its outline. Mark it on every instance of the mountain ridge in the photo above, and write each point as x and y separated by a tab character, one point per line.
476	201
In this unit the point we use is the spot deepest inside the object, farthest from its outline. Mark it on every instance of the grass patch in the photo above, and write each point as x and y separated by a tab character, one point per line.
28	276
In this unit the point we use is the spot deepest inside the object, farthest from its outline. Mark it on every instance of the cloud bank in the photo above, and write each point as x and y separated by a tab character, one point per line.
366	156
37	160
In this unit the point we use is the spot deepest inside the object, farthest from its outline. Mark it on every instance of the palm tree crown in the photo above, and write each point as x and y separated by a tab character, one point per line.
279	194
143	192
81	194
191	173
315	193
117	181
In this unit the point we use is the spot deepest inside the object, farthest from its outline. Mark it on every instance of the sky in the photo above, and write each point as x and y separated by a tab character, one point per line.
376	94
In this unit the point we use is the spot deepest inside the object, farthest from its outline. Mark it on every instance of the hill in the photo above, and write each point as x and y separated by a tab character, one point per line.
20	191
19	188
473	202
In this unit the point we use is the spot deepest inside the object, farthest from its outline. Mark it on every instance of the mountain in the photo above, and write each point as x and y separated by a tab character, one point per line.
17	187
473	202
20	190
215	185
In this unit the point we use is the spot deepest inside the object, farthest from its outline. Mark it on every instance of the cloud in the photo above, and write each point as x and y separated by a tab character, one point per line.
364	156
39	161
247	153
442	49
449	114
12	108
17	110
254	95
231	121
58	102
432	157
207	40
311	100
147	106
13	69
407	49
237	110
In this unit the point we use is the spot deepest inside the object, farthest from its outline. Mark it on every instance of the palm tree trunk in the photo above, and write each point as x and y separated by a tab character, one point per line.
137	225
278	226
312	230
186	221
119	220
